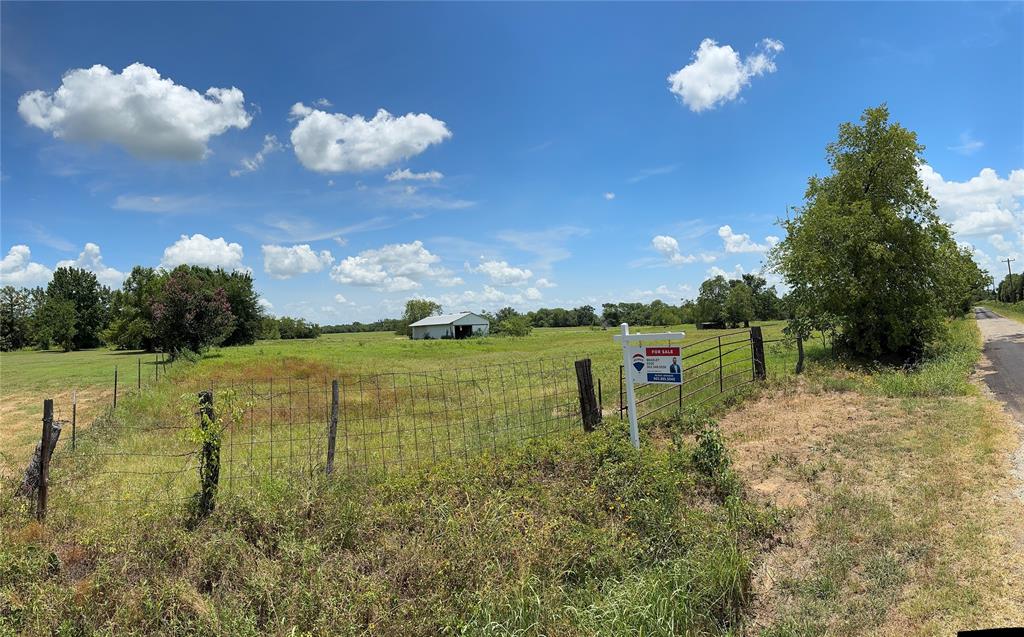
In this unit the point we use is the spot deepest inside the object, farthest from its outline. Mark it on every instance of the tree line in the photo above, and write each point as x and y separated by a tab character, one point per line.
1011	289
187	309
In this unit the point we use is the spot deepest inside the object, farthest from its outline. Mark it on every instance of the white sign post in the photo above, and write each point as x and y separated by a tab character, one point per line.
646	365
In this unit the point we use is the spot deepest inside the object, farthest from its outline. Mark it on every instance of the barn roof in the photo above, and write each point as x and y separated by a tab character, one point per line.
444	319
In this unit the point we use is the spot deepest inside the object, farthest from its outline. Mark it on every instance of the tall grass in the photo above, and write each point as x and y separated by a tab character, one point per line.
568	537
945	370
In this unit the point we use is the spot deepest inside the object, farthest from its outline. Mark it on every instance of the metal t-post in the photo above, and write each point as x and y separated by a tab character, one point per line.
634	430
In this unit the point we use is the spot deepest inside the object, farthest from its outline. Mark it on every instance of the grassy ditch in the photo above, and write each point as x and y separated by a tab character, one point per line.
570	537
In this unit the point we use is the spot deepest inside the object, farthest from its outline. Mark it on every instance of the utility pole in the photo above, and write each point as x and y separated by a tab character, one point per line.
1008	271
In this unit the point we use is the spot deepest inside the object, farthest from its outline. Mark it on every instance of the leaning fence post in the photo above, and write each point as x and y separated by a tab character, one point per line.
332	427
209	469
44	459
757	342
588	402
799	354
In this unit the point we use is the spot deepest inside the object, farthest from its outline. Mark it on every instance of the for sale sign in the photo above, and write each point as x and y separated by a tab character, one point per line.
656	365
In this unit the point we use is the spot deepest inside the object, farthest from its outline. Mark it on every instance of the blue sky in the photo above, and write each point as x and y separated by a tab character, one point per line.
532	155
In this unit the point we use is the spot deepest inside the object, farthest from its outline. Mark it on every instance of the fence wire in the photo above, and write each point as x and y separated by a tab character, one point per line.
278	428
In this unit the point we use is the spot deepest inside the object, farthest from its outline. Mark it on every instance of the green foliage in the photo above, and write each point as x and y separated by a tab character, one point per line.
15	319
286	327
1011	289
739	305
868	248
190	314
60	322
514	326
89	301
416	310
562	537
711	301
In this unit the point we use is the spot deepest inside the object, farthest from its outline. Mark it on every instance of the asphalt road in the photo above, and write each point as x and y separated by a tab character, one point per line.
1004	349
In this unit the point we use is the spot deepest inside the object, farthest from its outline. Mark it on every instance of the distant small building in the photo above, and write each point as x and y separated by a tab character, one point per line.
461	325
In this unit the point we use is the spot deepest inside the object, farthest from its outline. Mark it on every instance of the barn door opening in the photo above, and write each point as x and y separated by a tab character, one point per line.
463	331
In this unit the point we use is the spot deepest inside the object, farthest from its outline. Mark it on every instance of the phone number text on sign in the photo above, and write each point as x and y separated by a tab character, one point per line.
656	365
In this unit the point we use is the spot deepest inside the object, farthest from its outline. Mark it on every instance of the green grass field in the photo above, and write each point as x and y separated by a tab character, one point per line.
27	377
571	534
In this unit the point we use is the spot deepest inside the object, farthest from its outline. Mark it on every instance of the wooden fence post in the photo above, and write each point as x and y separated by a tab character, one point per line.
209	468
799	354
588	402
44	459
74	417
115	385
140	373
757	343
332	427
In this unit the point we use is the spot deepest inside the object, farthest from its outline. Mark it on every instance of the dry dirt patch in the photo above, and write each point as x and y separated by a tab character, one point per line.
901	514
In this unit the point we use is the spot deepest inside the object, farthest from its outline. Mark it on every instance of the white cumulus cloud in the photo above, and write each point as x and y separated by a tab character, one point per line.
148	115
717	74
407	175
982	205
669	248
254	163
609	196
18	269
394	267
544	283
284	262
334	142
203	251
501	273
741	242
90	259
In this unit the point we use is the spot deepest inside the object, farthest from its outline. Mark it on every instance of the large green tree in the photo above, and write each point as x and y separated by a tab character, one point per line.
15	318
190	315
415	310
739	305
867	246
90	301
711	300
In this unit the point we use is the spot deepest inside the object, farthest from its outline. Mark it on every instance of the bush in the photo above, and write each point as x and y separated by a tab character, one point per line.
514	326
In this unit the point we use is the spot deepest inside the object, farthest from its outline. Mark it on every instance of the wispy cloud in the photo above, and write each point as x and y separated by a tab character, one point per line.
547	245
160	203
647	173
968	145
297	228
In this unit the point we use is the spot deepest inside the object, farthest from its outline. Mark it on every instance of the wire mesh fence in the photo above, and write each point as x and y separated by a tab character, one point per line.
282	429
279	429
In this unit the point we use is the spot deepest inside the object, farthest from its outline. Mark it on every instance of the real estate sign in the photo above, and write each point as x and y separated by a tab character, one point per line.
655	365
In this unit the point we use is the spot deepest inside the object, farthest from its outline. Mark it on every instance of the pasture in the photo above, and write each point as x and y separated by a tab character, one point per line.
403	404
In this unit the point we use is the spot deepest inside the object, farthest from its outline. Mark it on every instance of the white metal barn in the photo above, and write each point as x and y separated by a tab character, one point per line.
461	325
